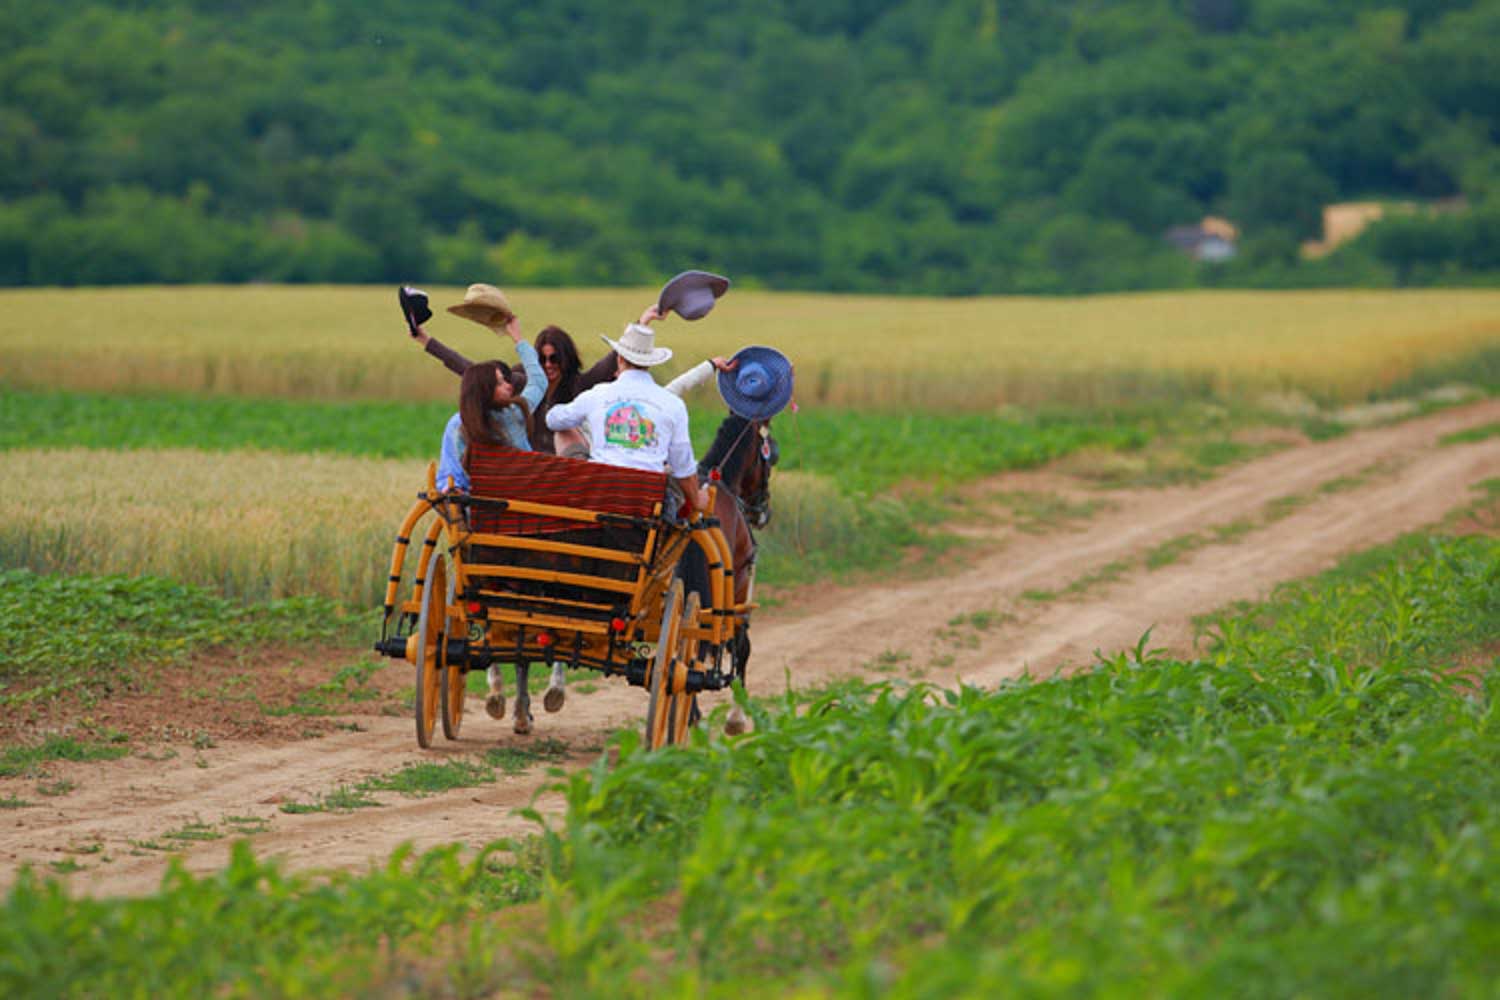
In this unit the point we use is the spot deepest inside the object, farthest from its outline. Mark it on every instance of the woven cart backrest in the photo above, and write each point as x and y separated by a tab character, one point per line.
500	473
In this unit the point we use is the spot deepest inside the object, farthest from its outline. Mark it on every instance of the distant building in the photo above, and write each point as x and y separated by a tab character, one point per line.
1345	220
1212	240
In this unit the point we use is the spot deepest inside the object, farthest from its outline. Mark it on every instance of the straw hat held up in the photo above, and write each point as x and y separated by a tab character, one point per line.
485	305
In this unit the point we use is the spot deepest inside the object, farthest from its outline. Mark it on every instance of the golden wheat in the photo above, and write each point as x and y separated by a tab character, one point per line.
249	524
258	525
349	342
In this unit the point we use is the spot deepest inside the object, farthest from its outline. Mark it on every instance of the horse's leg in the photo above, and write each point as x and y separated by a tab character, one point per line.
522	723
739	654
556	693
742	551
494	702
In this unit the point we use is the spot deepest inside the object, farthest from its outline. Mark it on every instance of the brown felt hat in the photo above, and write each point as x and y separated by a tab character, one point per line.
485	305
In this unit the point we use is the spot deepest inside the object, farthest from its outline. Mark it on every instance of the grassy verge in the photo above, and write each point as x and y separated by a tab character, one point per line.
1313	802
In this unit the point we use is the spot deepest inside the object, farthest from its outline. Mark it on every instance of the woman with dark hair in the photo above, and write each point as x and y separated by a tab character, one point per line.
491	409
566	378
561	369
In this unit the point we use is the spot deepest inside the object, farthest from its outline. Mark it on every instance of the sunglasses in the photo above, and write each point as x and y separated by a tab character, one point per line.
551	359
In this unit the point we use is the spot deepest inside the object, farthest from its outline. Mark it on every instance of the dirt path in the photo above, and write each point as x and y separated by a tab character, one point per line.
1033	601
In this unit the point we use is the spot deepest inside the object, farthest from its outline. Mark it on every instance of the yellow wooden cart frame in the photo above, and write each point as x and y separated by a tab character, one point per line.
593	589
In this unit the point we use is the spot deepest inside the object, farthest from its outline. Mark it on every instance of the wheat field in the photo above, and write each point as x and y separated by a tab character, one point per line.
257	525
977	353
253	525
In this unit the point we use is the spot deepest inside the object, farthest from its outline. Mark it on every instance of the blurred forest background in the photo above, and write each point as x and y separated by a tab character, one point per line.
920	146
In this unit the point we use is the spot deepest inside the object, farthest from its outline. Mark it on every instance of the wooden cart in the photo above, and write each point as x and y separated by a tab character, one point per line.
557	560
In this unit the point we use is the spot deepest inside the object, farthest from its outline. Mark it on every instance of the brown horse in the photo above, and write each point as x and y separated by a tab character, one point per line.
740	461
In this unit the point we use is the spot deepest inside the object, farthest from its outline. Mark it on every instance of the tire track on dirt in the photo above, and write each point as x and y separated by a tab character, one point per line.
1389	480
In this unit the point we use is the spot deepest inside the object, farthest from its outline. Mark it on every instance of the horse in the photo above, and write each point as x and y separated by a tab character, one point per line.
739	461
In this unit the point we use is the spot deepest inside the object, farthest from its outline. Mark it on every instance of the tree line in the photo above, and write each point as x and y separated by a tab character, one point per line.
916	146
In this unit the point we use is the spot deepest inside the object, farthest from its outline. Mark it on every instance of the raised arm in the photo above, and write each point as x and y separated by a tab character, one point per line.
451	359
697	375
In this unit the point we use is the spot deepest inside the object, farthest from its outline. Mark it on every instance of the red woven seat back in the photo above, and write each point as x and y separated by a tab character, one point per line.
506	474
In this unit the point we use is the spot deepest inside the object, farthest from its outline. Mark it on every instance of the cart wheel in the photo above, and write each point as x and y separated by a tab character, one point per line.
430	642
453	680
658	681
681	704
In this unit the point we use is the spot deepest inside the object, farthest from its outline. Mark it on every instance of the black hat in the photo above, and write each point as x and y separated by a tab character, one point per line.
414	307
691	294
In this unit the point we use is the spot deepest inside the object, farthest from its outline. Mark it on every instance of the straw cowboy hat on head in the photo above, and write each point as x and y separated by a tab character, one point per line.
638	346
691	294
758	385
485	305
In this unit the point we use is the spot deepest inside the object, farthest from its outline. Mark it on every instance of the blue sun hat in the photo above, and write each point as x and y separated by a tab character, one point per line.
760	385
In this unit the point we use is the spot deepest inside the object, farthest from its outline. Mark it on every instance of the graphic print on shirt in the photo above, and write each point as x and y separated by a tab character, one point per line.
625	426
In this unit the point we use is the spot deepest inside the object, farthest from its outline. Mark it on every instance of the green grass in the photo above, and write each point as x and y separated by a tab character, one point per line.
365	429
424	778
351	683
29	759
196	831
867	451
1482	433
1309	808
59	629
345	798
515	759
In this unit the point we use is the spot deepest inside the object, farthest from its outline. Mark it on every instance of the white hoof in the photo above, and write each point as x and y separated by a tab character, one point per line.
736	723
494	705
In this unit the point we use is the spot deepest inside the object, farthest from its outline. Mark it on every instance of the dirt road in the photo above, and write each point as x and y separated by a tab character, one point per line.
1037	601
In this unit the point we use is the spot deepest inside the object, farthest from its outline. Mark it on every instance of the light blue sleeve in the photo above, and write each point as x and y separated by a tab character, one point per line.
451	459
536	379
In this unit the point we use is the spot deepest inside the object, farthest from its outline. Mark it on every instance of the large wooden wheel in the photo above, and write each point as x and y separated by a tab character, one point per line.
452	680
681	704
430	643
658	680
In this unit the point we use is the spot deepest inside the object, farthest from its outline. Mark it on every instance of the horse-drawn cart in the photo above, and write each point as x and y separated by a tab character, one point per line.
571	564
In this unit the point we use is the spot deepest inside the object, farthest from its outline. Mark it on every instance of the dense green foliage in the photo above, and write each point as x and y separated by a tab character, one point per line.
59	629
1310	808
962	146
249	931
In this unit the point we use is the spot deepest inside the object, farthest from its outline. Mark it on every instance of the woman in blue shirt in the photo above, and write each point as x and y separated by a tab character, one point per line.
490	409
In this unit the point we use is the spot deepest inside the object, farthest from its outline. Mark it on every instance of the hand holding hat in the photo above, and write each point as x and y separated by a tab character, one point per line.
485	305
691	294
757	383
414	307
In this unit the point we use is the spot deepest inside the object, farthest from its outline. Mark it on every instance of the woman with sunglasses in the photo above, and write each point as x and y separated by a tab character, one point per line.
559	361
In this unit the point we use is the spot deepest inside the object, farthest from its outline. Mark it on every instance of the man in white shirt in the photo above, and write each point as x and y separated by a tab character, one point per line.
634	422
